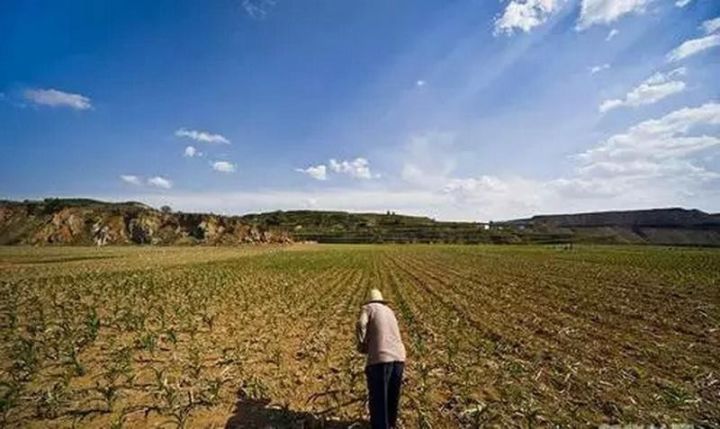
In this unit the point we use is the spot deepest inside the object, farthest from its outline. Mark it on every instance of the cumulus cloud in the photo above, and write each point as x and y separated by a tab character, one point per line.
711	25
201	136
524	15
358	168
598	69
682	3
651	90
611	34
655	147
653	163
131	179
56	98
607	11
159	182
318	172
191	152
224	167
657	161
693	46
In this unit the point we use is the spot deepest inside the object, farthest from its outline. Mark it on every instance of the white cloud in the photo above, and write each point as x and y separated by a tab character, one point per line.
420	83
611	34
711	25
524	15
598	69
318	172
473	185
191	151
258	9
160	182
201	136
133	180
358	168
607	11
657	162
652	90
55	98
655	147
682	3
693	46
224	167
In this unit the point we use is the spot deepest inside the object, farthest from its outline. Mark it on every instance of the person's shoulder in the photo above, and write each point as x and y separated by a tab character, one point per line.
372	306
381	307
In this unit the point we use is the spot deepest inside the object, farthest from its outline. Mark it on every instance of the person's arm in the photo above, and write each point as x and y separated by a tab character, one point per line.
361	331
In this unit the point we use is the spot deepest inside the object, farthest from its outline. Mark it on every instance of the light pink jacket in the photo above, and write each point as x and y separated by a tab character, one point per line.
378	334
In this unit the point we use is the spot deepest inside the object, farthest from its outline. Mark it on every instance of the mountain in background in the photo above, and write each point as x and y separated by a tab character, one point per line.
664	218
674	226
84	222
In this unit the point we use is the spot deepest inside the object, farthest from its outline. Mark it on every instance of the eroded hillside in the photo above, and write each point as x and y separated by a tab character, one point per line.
84	222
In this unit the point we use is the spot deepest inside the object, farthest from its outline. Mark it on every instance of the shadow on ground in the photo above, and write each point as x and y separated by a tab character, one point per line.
258	414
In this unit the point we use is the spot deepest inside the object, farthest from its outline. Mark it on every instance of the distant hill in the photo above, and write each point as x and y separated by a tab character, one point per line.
84	221
672	217
675	226
345	227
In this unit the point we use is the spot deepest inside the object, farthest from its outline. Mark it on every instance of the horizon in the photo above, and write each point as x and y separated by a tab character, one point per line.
319	210
462	111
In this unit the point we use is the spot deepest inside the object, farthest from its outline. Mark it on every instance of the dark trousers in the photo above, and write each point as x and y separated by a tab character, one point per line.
384	380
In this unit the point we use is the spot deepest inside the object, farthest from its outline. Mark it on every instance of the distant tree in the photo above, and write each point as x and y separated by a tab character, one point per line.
166	209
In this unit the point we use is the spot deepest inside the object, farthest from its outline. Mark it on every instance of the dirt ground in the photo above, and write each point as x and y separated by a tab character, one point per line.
497	336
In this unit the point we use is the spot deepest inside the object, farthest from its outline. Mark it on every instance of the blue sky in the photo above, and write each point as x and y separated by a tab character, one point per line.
468	110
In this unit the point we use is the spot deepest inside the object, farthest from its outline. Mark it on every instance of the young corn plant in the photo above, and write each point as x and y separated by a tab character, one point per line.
73	359
210	390
51	400
9	398
25	359
253	388
109	394
147	342
120	363
194	363
92	325
118	422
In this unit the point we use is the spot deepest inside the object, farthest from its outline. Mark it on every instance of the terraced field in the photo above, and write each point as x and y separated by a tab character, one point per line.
264	336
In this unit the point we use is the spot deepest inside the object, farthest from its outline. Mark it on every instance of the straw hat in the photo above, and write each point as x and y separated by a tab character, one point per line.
376	296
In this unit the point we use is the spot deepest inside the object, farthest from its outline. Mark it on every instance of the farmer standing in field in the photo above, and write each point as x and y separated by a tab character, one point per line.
378	336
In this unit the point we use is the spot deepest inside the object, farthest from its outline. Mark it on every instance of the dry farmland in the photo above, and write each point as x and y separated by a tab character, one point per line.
263	336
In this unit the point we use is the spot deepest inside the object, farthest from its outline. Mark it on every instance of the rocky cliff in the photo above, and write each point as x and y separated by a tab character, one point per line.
87	222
